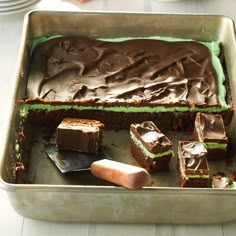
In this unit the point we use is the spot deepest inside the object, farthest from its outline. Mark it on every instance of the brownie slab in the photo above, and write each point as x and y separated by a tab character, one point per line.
125	81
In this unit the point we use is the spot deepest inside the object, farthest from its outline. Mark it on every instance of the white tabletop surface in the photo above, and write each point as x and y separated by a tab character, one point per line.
12	224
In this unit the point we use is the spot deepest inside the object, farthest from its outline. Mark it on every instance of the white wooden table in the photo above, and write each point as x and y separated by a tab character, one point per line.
12	224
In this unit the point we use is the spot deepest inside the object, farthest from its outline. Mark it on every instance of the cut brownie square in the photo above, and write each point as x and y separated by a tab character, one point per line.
210	130
220	180
192	165
79	135
151	148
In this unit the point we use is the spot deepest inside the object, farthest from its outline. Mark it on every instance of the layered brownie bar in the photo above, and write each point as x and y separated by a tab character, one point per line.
210	130
79	134
192	164
151	148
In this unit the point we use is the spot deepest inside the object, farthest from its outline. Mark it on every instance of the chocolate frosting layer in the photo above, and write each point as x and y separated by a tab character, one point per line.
151	137
195	157
141	71
211	127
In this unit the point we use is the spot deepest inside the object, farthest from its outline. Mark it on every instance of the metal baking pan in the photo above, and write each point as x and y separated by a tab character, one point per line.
50	195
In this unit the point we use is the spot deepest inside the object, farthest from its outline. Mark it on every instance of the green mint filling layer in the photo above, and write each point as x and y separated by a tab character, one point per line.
25	108
214	49
146	152
211	145
233	185
197	176
37	41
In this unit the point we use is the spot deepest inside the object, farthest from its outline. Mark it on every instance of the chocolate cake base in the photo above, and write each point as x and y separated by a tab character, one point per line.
216	154
194	182
150	164
179	121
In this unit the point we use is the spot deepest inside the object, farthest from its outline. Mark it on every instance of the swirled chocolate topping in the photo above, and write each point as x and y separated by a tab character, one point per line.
142	71
211	127
151	137
194	154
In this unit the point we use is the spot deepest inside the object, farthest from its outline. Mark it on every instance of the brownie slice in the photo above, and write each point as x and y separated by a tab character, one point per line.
210	130
220	180
151	148
79	134
192	165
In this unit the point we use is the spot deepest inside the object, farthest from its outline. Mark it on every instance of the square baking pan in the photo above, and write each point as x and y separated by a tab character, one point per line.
47	194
